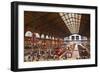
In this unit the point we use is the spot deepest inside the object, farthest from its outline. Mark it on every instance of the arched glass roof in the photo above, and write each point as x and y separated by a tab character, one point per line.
72	21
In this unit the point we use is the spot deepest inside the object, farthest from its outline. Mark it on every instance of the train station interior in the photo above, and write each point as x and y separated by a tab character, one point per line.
50	36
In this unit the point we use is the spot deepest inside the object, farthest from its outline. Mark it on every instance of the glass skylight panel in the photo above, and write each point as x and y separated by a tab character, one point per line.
72	14
63	18
69	15
66	16
61	14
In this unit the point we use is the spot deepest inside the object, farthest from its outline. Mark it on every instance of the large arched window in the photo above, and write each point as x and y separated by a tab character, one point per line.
72	21
28	34
37	35
42	36
47	37
52	38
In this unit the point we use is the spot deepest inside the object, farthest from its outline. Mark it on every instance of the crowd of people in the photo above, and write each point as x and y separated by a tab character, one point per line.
45	50
39	53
